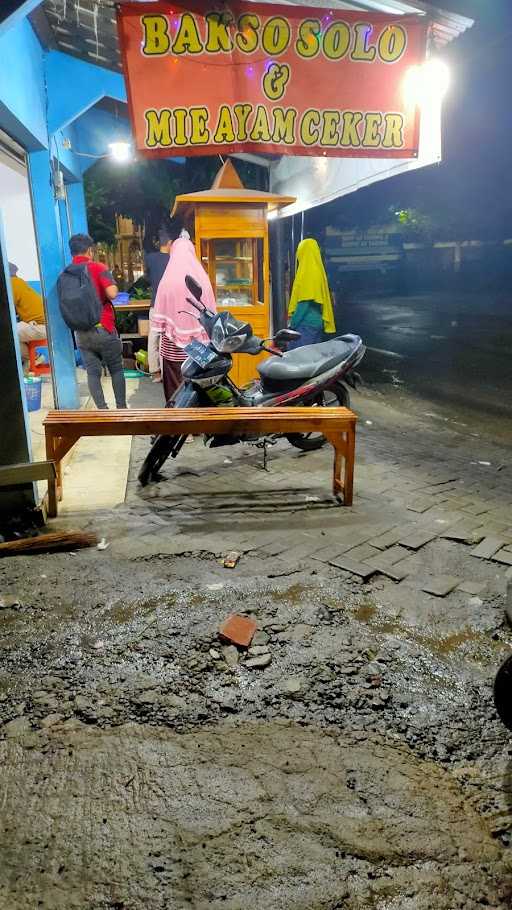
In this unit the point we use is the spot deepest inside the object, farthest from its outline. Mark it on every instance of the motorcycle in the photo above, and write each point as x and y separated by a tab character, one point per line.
503	692
316	374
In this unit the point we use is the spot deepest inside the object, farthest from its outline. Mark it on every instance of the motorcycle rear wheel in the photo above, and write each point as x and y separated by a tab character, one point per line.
503	693
338	396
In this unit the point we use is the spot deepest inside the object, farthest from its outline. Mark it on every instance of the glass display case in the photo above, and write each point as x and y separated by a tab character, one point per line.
230	228
235	267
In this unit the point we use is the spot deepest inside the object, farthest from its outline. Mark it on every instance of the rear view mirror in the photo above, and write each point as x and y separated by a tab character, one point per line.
284	335
194	288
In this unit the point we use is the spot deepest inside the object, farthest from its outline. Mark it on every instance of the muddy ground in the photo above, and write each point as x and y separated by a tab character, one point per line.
147	766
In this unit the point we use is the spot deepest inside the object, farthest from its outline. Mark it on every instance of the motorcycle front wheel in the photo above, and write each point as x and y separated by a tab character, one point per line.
156	458
338	396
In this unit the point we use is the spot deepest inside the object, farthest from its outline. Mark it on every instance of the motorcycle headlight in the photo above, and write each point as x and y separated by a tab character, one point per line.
226	344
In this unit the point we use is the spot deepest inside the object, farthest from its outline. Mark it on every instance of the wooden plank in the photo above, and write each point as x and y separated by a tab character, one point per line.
198	420
13	474
64	428
43	543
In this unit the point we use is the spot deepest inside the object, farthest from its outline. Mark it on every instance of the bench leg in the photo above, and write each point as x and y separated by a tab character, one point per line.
337	483
350	453
344	450
56	449
53	483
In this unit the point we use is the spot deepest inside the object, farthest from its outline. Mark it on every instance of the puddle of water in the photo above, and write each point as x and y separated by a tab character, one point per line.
294	595
443	646
124	612
366	612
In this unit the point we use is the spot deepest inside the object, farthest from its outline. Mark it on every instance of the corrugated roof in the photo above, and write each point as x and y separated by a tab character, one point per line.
88	28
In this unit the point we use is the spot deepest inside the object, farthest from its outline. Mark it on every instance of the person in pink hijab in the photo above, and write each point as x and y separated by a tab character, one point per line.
179	328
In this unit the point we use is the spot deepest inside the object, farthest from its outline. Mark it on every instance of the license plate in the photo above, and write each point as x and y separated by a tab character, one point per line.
200	353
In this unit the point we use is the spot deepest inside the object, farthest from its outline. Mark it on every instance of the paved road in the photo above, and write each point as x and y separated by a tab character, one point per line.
453	349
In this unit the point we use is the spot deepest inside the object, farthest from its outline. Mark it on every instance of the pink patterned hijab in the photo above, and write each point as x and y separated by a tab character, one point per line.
179	327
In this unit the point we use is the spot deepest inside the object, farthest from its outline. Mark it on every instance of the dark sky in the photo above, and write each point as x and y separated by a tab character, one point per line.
470	192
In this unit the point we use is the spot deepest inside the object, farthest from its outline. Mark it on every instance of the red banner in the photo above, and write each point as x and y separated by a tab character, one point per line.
268	78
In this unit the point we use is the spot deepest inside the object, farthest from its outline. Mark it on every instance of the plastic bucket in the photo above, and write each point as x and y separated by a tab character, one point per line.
33	387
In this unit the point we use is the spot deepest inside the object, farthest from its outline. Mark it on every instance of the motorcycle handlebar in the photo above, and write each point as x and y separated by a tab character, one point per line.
195	304
274	351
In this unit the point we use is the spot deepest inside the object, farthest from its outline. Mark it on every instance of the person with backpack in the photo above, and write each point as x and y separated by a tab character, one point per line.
86	290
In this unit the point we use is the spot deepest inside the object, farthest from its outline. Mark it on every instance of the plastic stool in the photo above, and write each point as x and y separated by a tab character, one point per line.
38	369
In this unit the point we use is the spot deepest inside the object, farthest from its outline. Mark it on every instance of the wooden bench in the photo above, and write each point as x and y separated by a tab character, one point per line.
338	425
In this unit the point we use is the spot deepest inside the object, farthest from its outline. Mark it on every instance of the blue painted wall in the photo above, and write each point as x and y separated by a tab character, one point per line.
22	92
89	84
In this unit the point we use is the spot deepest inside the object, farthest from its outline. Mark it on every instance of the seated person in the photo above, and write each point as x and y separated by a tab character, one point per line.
29	310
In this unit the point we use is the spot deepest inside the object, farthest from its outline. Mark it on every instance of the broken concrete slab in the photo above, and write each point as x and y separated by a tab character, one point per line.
504	556
464	534
259	662
363	553
488	547
363	570
472	587
441	585
422	504
383	541
390	571
418	538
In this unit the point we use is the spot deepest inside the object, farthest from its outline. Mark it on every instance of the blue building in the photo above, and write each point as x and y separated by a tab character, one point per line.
57	117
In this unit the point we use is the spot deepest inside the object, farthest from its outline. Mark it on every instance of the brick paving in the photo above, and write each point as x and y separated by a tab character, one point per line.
417	486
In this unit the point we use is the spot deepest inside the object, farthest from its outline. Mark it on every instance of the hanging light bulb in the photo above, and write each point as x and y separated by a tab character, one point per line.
427	84
120	152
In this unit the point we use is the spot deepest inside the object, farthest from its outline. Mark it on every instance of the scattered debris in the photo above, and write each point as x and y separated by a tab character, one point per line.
312	499
9	602
230	655
259	662
216	587
103	544
43	543
258	650
238	630
215	655
294	685
231	559
17	727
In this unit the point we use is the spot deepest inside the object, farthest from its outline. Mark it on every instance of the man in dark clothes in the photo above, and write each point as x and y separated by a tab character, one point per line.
101	345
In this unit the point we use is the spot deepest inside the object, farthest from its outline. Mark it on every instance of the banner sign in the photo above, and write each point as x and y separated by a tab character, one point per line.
258	77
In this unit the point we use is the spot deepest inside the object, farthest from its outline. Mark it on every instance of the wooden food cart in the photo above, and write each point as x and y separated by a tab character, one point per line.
229	224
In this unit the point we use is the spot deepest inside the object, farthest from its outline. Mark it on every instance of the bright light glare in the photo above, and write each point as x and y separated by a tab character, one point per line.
427	84
271	214
120	151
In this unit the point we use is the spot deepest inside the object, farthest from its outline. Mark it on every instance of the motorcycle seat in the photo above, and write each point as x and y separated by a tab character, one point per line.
309	360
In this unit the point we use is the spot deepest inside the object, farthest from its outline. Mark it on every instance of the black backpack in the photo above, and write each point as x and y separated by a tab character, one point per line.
79	303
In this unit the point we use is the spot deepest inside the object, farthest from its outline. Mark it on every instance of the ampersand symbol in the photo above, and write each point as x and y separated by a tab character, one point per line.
275	80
